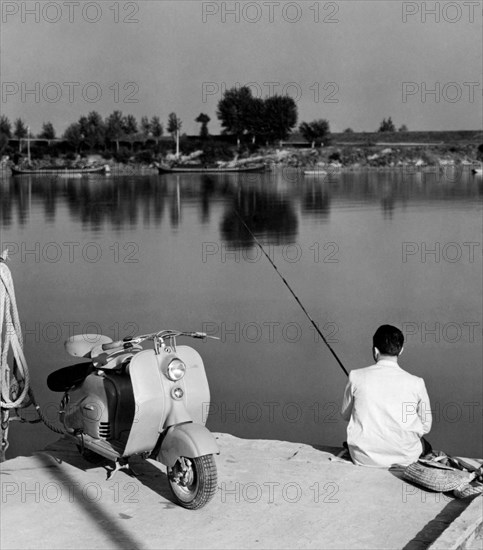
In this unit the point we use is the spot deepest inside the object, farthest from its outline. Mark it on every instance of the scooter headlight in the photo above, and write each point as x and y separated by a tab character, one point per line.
176	370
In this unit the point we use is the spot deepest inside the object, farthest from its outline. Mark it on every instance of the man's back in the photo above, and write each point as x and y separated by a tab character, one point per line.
388	411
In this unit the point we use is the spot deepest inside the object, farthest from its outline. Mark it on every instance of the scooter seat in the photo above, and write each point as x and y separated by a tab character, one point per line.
81	345
67	377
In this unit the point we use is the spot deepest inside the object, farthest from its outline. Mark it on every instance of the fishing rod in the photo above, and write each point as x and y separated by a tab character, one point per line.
293	293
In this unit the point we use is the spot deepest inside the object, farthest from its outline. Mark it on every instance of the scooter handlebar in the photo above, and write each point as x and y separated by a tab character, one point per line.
112	345
201	335
129	340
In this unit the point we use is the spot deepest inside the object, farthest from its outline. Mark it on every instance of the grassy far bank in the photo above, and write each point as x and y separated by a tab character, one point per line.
455	137
348	149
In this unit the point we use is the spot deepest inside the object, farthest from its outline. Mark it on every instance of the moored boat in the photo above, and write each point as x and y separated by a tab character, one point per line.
195	169
315	172
58	171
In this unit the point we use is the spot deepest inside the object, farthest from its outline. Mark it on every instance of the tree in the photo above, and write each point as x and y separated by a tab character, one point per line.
5	127
316	131
93	130
174	125
48	131
348	131
114	127
20	129
403	128
203	119
279	117
257	121
73	135
156	127
387	126
234	111
130	125
145	126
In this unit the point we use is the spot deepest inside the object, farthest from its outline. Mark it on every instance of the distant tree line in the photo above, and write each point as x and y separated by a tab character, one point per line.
242	116
90	131
99	134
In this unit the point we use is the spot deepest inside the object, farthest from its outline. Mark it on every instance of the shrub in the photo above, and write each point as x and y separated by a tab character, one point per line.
144	157
123	155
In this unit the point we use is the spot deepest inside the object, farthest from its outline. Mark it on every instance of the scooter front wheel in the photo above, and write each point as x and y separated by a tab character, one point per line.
193	481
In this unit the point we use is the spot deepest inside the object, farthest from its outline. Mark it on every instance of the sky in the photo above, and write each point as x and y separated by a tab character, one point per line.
352	62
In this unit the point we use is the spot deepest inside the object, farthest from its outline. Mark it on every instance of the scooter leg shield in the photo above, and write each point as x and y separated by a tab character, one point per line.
189	440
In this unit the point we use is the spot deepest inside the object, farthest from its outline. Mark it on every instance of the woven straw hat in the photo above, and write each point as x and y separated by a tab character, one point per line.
437	477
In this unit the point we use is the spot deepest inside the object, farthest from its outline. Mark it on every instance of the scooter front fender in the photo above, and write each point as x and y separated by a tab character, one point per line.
190	440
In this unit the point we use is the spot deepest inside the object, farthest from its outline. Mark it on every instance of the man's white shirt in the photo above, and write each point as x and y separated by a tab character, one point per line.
388	411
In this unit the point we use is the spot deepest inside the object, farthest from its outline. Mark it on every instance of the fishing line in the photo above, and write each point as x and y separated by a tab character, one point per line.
293	293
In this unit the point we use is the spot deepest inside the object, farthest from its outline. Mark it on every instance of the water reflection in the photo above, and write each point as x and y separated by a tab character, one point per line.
208	191
171	282
271	218
388	200
316	201
267	202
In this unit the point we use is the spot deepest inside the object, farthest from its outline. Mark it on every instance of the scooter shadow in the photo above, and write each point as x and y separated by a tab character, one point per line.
148	474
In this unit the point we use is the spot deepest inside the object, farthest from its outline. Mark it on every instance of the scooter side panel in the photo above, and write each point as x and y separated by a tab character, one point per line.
197	391
92	405
189	440
149	403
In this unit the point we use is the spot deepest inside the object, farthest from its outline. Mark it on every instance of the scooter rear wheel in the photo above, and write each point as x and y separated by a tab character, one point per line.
193	481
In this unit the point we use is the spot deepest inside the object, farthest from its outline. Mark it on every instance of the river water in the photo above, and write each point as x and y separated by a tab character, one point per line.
132	254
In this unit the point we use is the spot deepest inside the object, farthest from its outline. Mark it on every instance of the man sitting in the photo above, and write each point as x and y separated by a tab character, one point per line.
387	408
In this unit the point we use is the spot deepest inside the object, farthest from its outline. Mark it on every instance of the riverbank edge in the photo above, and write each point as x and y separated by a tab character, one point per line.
342	157
463	532
117	169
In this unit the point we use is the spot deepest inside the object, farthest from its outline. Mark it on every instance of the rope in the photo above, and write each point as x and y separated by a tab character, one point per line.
41	418
15	388
11	336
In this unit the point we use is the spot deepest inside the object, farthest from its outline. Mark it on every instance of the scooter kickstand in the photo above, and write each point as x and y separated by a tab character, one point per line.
120	465
111	472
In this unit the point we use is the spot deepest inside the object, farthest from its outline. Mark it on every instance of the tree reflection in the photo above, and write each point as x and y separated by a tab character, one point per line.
266	202
316	200
208	188
119	202
388	200
270	217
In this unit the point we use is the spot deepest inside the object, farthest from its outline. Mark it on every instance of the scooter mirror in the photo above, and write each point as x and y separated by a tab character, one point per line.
81	345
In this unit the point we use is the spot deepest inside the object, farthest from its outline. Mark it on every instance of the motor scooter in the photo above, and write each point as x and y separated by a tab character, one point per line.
129	401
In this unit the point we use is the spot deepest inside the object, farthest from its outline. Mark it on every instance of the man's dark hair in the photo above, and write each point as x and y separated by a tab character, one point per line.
388	340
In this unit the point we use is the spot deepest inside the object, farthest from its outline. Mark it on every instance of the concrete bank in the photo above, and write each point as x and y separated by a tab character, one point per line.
271	494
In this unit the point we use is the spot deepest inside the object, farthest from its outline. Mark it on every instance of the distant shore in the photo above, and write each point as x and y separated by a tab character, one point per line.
346	152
